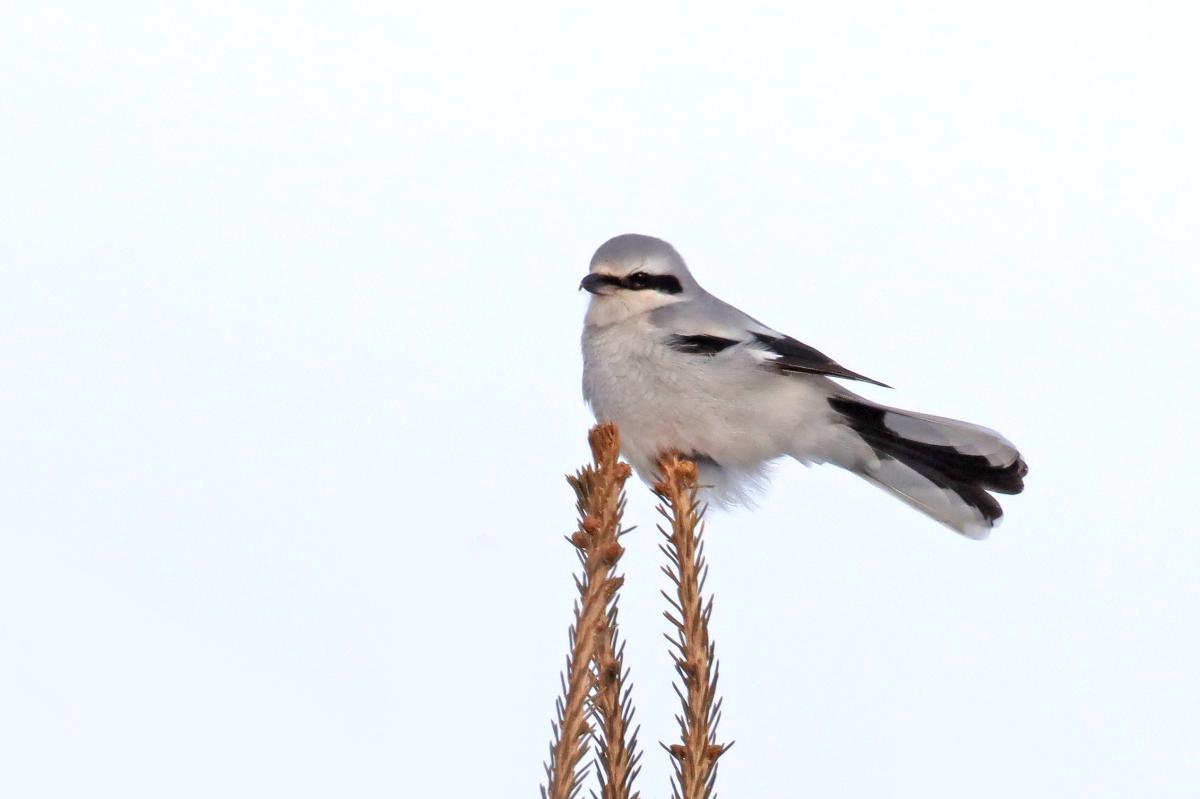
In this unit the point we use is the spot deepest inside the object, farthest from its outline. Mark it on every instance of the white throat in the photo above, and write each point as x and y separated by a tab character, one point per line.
610	309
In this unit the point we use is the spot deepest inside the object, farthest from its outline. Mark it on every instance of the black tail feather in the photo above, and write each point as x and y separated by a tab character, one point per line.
968	475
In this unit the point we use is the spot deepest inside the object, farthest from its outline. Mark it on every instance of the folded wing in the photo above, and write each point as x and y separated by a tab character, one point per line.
706	328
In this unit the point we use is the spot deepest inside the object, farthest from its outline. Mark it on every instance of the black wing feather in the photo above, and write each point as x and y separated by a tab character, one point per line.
790	354
794	356
700	344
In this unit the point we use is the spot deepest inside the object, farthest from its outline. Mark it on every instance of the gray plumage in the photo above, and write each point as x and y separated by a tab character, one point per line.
678	369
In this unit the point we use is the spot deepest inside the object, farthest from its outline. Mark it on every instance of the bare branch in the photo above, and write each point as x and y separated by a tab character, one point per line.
595	663
695	757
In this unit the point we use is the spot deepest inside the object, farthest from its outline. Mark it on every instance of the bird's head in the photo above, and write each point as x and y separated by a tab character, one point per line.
634	274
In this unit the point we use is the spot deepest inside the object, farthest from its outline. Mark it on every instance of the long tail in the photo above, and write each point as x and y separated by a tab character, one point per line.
942	467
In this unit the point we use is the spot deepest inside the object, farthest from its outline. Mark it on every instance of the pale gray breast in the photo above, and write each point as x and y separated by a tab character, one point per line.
632	377
619	369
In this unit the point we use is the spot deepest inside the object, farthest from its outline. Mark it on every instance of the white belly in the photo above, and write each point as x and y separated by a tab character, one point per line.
724	407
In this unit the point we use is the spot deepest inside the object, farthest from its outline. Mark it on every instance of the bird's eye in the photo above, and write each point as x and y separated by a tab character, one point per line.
638	280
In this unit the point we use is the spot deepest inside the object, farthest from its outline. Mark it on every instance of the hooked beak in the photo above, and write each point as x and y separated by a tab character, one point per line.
596	282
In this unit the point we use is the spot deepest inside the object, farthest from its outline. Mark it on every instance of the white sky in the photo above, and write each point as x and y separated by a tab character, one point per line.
289	334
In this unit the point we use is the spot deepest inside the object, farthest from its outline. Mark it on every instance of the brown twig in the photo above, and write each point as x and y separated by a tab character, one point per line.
695	758
599	491
612	708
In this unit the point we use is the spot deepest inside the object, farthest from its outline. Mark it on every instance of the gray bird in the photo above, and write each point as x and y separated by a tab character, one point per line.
678	369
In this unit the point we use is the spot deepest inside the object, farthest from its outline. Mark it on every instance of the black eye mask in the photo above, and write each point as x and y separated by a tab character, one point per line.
644	281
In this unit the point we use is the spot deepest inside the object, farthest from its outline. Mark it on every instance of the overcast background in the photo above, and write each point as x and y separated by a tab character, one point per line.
289	341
